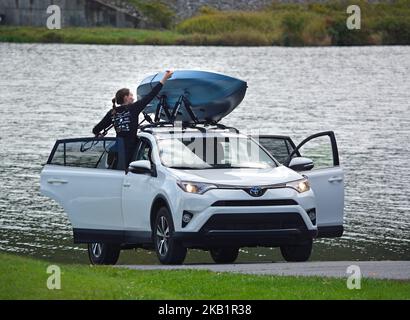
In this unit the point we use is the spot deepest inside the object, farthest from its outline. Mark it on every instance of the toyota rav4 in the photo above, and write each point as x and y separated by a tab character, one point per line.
205	187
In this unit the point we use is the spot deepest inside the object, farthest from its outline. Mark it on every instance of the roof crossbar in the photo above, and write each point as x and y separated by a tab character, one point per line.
201	126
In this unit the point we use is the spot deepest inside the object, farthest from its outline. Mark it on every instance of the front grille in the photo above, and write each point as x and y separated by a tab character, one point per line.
254	221
254	203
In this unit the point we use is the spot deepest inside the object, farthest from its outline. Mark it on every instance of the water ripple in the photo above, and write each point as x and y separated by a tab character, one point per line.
362	93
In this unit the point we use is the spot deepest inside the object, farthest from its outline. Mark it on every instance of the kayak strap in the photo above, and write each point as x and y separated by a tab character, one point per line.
188	108
163	107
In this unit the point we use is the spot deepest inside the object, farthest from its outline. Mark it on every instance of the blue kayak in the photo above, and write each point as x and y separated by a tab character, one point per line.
210	96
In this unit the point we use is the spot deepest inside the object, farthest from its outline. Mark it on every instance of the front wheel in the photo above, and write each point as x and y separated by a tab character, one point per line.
297	253
103	253
224	255
168	249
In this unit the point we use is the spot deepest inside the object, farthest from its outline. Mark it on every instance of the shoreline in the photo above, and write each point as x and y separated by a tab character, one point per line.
287	25
130	37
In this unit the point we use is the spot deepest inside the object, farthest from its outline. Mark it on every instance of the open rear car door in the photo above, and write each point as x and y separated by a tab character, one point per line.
325	176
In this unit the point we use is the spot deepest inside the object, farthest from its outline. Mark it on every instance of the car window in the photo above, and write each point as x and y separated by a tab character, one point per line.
319	150
144	151
87	153
279	148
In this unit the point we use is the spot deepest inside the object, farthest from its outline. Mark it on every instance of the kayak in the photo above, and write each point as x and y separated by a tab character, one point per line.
210	96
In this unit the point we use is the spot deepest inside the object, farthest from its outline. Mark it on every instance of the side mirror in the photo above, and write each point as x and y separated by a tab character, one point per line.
301	164
140	167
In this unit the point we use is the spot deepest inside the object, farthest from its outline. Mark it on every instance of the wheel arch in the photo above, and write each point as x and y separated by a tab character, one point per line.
159	201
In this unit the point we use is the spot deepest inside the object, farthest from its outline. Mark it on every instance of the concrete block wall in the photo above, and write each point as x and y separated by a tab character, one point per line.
79	13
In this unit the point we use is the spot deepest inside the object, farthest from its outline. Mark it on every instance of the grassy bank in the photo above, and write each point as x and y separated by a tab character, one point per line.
23	278
305	24
279	24
88	36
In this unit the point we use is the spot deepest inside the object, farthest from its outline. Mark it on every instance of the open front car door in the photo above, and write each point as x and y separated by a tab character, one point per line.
85	176
316	157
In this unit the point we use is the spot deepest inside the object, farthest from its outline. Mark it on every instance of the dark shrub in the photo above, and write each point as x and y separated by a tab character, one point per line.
342	36
395	30
52	37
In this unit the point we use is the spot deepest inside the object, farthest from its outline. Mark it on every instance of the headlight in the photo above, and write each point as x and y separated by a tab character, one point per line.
195	187
300	186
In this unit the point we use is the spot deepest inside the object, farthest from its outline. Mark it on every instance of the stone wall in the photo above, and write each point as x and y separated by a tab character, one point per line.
79	13
118	13
188	8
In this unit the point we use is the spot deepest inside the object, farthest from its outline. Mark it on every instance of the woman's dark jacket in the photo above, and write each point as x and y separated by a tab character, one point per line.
125	121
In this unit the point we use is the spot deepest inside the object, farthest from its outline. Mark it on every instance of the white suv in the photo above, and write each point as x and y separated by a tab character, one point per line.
205	187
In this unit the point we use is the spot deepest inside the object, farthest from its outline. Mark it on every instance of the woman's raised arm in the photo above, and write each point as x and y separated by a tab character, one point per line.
141	104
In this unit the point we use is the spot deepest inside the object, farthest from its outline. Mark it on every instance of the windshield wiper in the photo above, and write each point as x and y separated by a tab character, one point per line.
228	166
217	166
187	168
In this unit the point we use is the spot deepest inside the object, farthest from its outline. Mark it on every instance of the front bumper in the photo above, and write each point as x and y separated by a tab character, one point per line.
222	201
224	217
243	238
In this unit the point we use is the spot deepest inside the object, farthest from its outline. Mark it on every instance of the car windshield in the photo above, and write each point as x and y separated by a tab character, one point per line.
213	152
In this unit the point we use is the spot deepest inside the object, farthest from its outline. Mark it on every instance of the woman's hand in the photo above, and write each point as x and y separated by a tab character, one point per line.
168	74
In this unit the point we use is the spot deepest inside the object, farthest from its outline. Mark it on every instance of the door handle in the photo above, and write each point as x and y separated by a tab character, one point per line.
126	185
335	179
57	181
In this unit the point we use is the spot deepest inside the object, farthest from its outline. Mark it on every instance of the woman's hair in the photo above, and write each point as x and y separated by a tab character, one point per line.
119	97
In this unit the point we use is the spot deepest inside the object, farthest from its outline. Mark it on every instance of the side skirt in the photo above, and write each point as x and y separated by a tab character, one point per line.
112	236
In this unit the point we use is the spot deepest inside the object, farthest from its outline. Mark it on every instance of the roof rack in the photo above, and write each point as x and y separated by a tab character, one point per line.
163	109
202	126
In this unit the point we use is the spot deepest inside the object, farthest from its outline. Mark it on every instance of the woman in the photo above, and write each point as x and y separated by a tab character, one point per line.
125	116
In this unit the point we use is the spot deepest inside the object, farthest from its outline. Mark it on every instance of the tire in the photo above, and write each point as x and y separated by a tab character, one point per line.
103	253
168	250
224	255
297	253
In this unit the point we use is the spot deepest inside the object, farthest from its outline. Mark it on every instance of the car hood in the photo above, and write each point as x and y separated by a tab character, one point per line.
239	177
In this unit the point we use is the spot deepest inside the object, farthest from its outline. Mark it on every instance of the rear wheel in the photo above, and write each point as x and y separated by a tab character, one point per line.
297	253
224	255
103	253
169	250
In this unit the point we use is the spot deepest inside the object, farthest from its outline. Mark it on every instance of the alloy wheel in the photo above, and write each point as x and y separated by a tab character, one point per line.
163	236
96	249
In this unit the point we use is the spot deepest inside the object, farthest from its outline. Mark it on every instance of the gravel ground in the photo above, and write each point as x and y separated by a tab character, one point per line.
399	270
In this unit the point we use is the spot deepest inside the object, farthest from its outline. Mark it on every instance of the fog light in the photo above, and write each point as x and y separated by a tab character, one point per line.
312	215
186	218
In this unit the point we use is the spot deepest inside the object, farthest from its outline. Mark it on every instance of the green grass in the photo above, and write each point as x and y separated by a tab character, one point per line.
158	13
88	35
278	24
307	24
24	278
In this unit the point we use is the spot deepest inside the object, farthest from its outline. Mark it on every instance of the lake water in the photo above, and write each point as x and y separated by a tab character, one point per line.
361	93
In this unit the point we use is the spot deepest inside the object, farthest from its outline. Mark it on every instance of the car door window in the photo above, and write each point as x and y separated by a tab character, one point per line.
100	153
144	151
280	147
321	148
